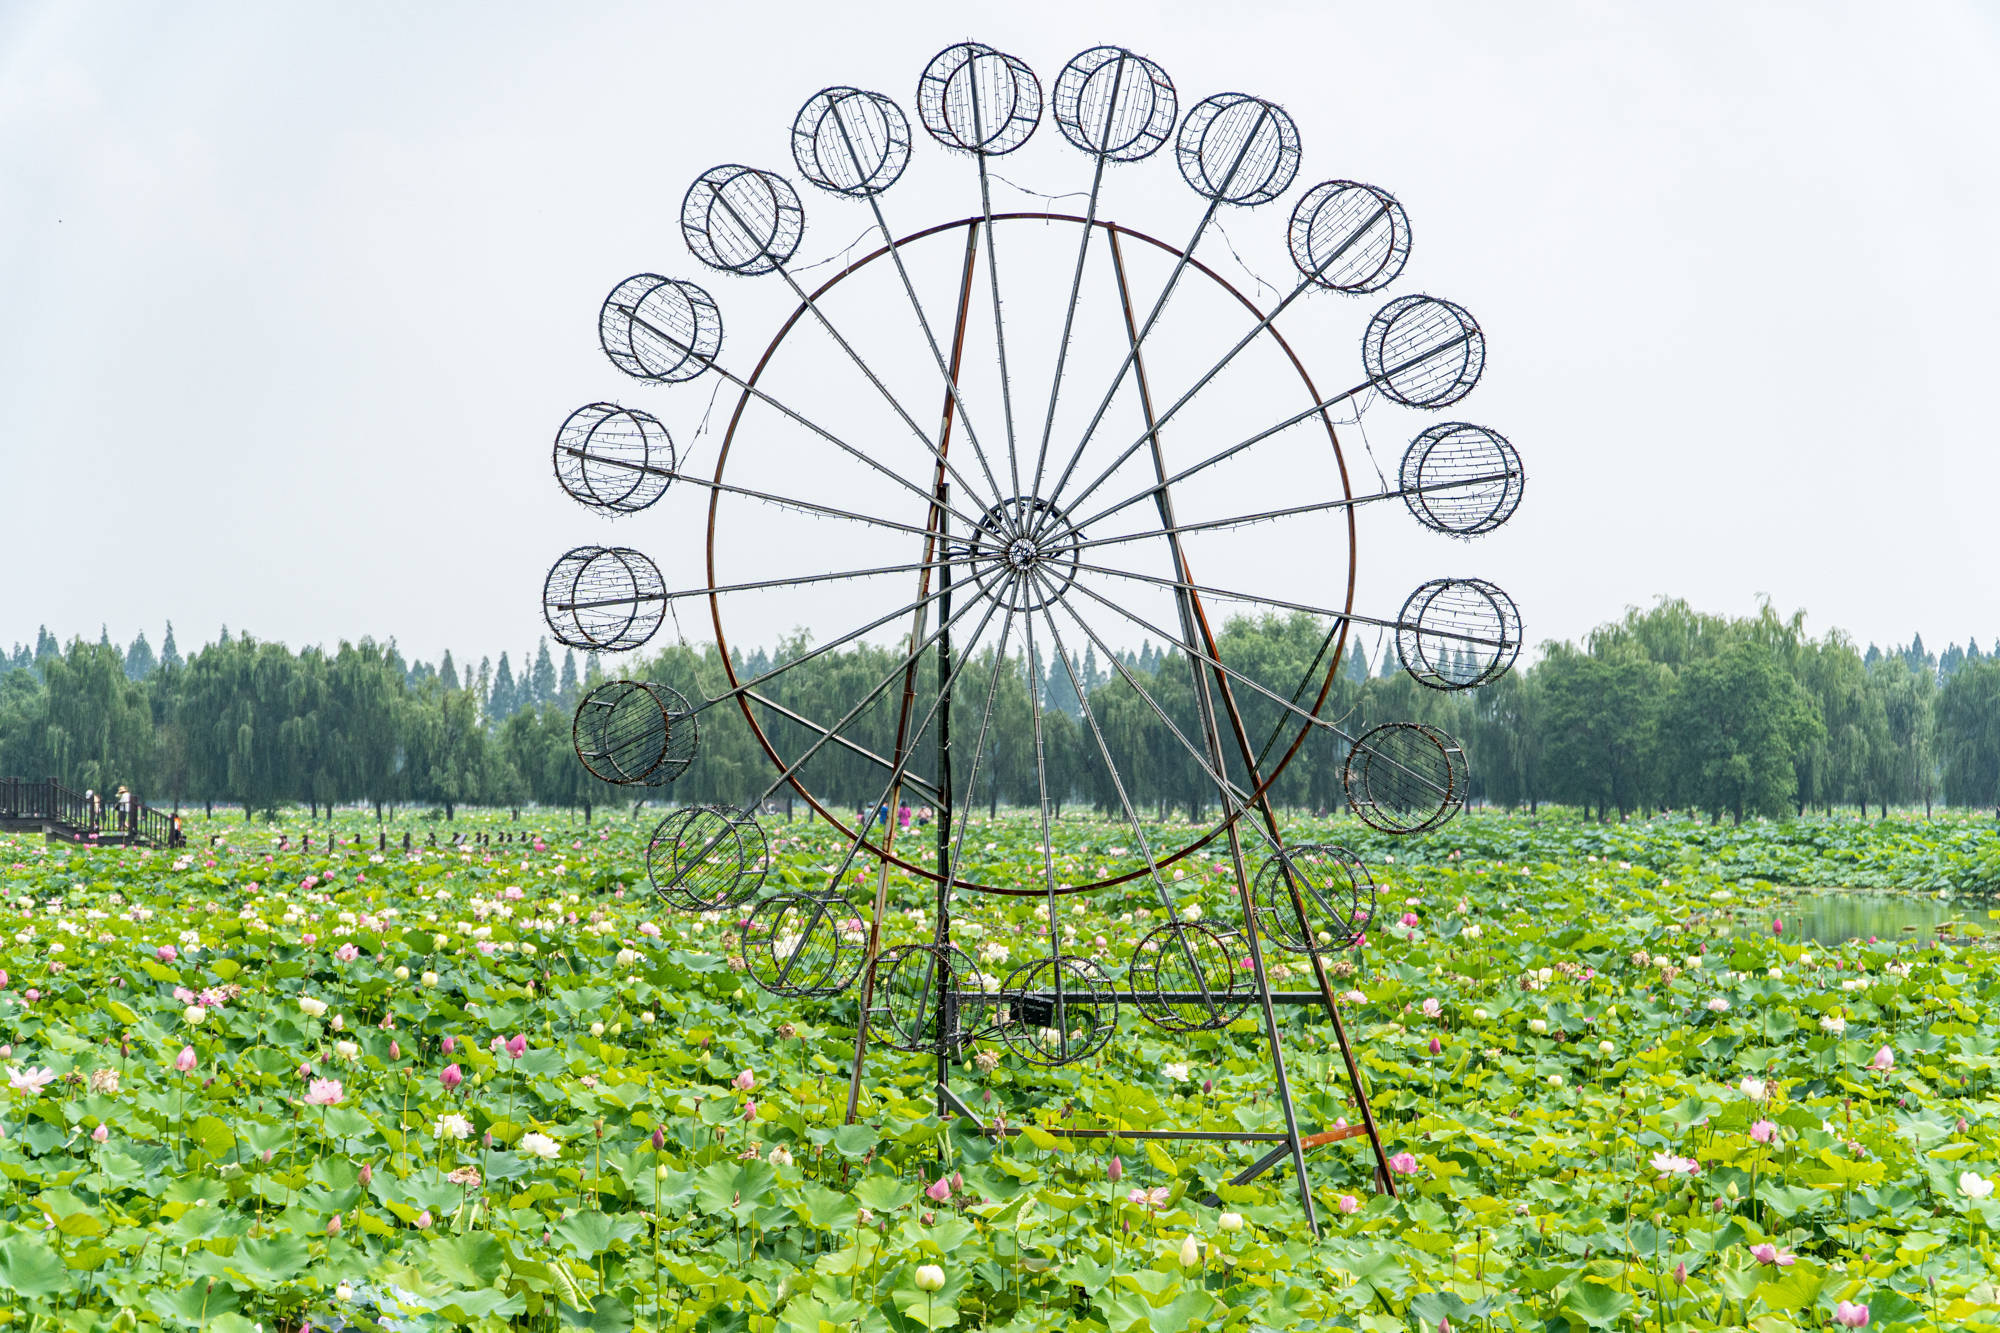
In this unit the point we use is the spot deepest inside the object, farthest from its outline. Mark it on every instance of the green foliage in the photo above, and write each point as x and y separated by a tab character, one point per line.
1597	995
1665	708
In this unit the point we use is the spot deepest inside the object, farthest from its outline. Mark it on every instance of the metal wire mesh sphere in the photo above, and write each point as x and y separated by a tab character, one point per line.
851	142
742	220
978	99
1059	1010
703	858
1185	978
612	457
634	733
1350	237
1458	634
799	944
932	995
1423	352
1405	777
1114	104
656	328
1462	480
1335	887
604	598
1238	149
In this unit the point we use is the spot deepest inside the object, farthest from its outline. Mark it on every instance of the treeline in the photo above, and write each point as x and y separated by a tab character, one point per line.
257	725
1667	708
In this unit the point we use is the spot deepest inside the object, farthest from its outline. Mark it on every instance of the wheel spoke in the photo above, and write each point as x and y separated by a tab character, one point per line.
1243	444
1305	715
1117	780
979	748
727	488
1270	515
1231	794
807	300
923	436
999	324
788	581
930	337
910	749
1159	306
745	687
753	391
785	775
1032	669
1069	316
949	374
1208	376
1254	599
927	790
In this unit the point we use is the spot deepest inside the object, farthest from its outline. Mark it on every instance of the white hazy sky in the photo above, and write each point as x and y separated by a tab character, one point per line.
293	297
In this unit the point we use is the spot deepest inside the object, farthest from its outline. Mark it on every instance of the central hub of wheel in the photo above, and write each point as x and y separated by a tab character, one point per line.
1024	553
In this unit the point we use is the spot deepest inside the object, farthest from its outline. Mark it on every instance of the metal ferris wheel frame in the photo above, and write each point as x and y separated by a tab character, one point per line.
1261	778
1028	549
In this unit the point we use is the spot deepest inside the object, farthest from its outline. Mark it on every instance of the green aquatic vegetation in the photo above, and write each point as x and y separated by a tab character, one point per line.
503	1087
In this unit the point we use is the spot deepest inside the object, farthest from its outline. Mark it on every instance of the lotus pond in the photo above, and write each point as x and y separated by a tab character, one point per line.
502	1087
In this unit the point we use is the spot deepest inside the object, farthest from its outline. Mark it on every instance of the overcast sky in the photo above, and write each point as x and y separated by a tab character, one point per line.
296	296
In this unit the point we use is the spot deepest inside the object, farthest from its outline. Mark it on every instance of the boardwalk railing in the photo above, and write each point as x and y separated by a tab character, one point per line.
66	813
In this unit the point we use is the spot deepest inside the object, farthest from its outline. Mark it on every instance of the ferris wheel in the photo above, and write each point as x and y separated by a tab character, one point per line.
1010	446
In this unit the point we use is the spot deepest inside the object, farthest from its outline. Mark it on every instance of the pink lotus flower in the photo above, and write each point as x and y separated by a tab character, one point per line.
1115	1171
938	1190
1850	1315
346	953
1763	1131
744	1081
486	948
517	1046
30	1081
1436	1046
101	1133
649	930
395	1051
451	1077
424	1220
1777	925
1671	1164
1431	1007
325	1092
1884	1061
1349	1204
450	1044
1152	1198
1769	1254
1408	919
165	953
1403	1164
185	1060
333	1225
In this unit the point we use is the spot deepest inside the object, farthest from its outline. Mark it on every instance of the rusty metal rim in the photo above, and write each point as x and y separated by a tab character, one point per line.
715	497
